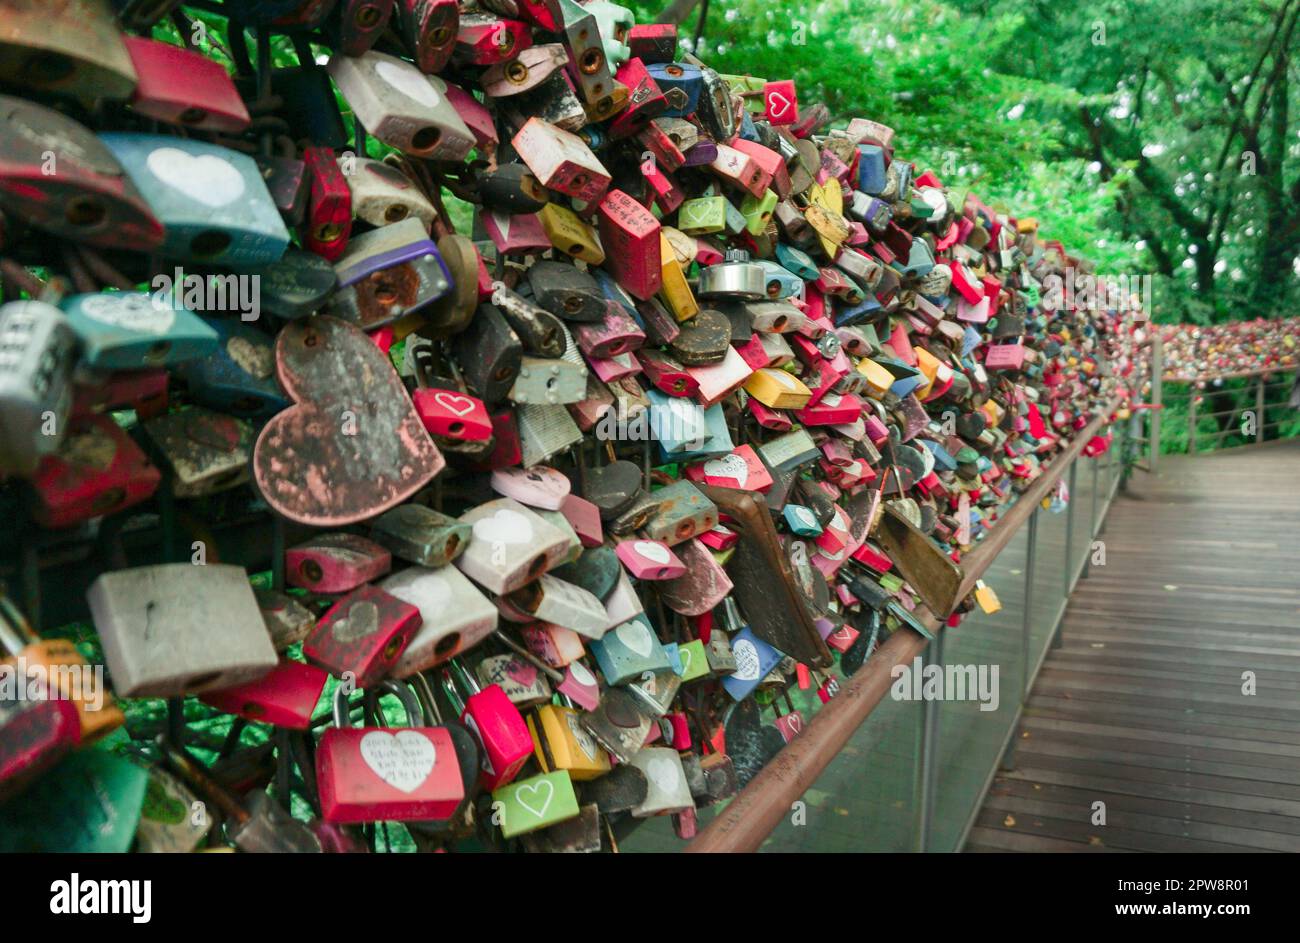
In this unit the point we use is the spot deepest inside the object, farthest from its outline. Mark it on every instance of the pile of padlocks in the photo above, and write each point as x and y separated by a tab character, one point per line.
1197	353
712	400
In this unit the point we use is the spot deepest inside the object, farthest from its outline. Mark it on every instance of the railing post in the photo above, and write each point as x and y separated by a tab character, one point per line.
1027	622
927	784
1191	418
1259	411
1157	399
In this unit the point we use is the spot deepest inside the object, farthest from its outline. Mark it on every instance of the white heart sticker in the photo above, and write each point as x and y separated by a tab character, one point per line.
635	637
581	675
655	552
206	178
408	80
529	797
662	773
131	312
505	526
729	466
747	667
403	759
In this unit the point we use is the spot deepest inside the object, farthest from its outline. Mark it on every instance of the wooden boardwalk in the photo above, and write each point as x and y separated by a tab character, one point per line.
1141	707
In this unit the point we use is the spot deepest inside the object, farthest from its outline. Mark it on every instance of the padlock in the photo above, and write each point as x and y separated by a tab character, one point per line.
545	381
629	650
568	233
382	194
388	273
428	28
668	790
59	176
184	87
484	40
286	696
683	512
420	535
650	560
130	330
456	615
561	743
96	470
37	354
535	803
335	563
153	622
287	620
525	72
589	68
653	42
89	804
239	378
212	201
558	602
490	353
35	734
327	222
618	724
494	720
538	330
566	291
363	634
538	487
561	161
204	451
521	681
59	662
75	49
371	774
172	820
510	546
402	106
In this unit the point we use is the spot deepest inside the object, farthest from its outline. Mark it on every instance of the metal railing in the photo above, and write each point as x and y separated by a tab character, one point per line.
1227	410
871	772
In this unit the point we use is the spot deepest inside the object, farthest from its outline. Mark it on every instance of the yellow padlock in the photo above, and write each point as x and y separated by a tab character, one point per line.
675	293
570	235
560	742
777	389
879	380
987	598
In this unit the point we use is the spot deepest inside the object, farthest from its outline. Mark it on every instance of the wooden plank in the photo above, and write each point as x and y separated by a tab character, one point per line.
1141	705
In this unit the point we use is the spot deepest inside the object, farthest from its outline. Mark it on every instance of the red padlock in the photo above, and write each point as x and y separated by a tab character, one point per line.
335	563
428	27
329	206
97	470
184	87
495	721
34	735
376	774
364	633
286	697
630	236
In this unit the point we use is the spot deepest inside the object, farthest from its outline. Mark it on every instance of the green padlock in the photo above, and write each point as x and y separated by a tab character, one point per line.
535	802
88	804
702	215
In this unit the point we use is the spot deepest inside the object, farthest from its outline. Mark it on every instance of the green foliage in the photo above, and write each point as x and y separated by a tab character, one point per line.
1150	137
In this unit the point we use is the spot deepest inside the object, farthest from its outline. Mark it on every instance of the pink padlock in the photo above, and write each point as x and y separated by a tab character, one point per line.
649	559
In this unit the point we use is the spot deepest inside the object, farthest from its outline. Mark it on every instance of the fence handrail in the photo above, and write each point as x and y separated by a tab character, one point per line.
758	808
1243	374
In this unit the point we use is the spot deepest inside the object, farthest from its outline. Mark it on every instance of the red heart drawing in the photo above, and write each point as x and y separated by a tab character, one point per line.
352	445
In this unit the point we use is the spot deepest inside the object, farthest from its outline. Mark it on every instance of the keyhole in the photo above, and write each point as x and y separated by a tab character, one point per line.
311	571
83	211
425	139
209	243
395	212
368	16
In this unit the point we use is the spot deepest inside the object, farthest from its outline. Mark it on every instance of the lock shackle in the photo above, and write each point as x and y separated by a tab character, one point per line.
428	703
732	620
448	683
16	632
460	672
410	703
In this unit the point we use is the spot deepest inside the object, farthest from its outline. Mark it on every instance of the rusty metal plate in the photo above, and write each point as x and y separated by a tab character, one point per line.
352	445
